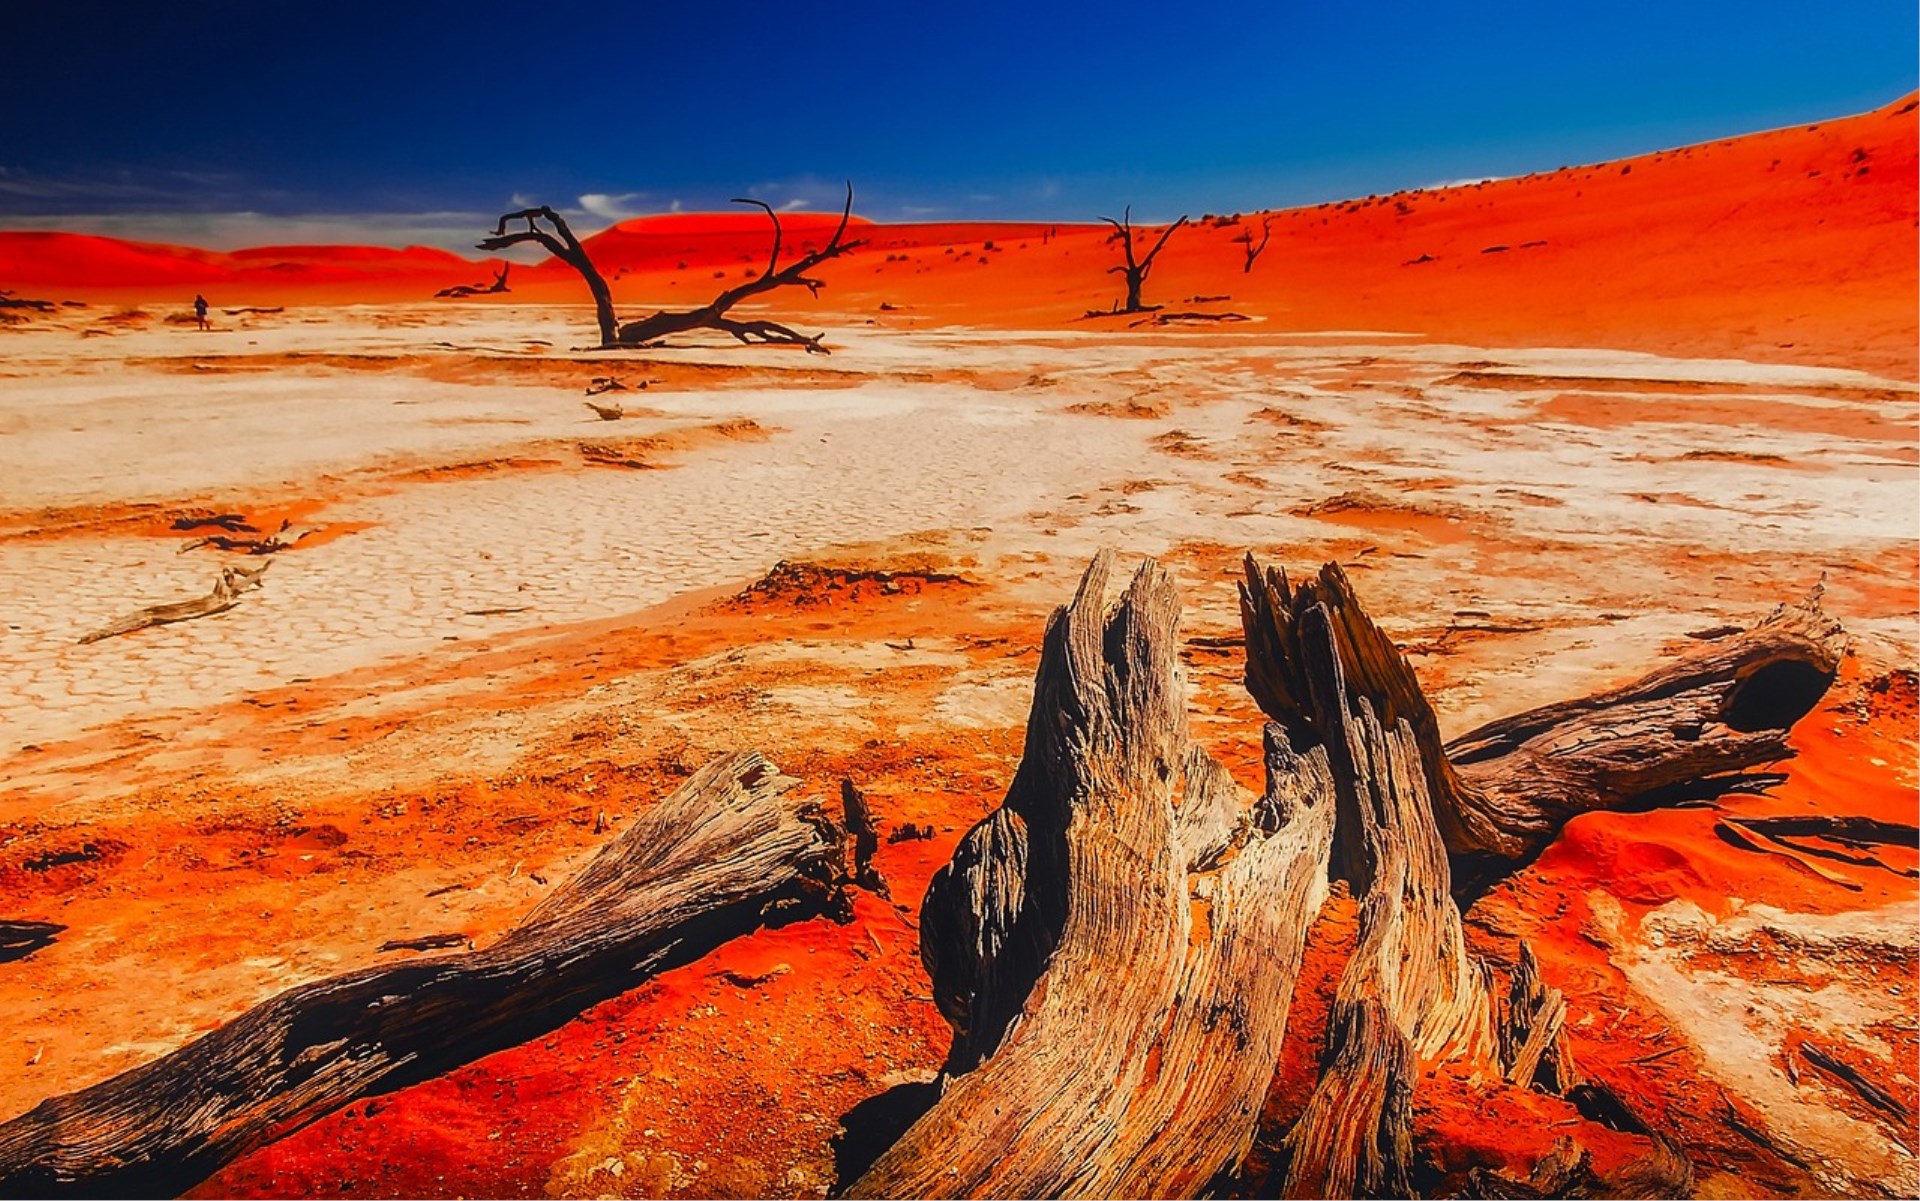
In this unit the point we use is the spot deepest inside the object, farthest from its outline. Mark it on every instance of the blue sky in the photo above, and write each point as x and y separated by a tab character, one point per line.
227	123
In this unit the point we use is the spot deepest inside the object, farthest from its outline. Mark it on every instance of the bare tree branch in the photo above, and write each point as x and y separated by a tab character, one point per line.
1136	270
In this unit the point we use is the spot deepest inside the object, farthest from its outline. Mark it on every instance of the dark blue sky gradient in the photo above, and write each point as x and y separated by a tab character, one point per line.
933	109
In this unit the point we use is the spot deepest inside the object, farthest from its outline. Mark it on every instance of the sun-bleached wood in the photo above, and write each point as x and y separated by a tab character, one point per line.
1502	792
1116	945
715	859
1410	994
1087	991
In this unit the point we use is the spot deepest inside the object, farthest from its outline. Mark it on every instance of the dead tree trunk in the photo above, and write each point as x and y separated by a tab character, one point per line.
726	851
561	244
1253	250
1502	792
1690	729
1136	271
1142	928
1113	1038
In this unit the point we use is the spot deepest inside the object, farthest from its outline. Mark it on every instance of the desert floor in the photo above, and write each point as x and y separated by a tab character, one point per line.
508	617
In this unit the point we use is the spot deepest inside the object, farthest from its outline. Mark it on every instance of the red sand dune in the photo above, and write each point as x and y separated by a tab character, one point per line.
1797	244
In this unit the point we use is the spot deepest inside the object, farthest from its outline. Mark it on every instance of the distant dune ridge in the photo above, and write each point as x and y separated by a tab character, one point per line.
1797	244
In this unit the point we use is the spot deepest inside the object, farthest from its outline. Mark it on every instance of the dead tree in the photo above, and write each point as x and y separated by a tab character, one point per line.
1116	946
1252	249
713	315
728	850
561	244
499	284
1136	270
1143	927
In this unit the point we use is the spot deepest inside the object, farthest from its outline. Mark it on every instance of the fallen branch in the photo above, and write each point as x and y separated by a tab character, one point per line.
226	593
1502	792
1878	1098
9	301
728	850
426	942
232	523
282	539
1186	317
499	284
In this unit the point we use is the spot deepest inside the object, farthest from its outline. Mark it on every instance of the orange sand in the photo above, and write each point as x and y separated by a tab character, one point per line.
1795	245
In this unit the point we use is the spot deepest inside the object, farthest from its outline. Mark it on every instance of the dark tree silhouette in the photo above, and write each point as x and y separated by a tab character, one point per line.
561	244
1136	270
1253	249
499	284
712	315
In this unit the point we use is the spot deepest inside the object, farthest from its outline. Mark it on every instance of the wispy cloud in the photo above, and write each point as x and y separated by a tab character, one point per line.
112	188
611	207
801	192
454	231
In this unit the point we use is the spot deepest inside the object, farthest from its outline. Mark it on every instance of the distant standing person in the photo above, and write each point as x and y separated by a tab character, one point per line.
200	311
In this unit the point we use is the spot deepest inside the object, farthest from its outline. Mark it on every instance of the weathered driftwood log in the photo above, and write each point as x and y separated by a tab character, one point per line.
1116	945
226	594
725	851
1502	792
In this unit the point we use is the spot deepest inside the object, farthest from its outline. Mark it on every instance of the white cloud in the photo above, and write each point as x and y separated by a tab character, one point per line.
610	207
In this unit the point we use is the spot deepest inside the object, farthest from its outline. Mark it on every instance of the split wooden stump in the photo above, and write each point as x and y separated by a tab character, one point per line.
1116	946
